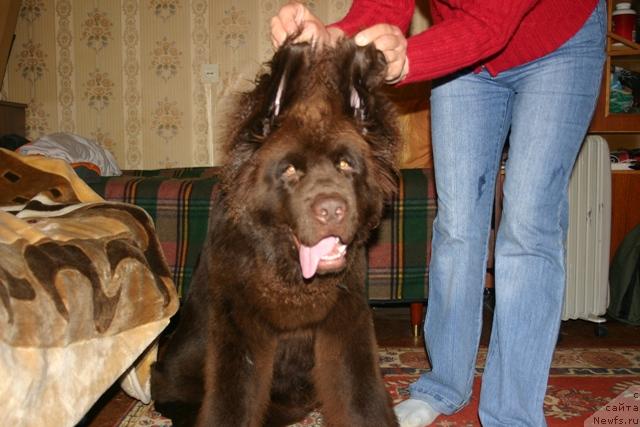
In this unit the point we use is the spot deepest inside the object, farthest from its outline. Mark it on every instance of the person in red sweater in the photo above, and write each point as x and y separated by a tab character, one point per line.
526	72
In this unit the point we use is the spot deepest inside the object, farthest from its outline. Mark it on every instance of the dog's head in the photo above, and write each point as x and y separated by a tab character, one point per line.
311	157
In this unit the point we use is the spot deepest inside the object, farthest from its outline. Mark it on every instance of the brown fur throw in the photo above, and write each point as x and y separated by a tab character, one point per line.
84	290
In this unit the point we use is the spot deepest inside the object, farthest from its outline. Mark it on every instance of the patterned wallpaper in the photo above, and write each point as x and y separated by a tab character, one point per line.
127	73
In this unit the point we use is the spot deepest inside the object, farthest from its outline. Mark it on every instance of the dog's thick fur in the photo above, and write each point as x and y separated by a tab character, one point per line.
311	155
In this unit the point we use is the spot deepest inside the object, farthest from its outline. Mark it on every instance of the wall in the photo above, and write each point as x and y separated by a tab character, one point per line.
127	73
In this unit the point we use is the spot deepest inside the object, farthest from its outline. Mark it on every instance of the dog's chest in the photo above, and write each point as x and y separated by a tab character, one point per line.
293	364
302	307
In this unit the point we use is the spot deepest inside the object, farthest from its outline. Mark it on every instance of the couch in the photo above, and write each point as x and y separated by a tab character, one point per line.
179	201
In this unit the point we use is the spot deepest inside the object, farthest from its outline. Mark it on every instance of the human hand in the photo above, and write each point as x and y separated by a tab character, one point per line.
390	40
295	18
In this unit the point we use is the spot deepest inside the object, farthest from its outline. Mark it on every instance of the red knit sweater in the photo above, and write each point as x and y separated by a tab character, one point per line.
496	34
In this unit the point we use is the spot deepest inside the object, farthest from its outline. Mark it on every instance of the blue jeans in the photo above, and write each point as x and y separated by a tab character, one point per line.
545	107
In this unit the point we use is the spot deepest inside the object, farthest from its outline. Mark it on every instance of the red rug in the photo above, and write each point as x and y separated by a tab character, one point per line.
587	387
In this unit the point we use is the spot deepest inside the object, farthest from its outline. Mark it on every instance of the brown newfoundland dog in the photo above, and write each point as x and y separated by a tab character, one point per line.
276	322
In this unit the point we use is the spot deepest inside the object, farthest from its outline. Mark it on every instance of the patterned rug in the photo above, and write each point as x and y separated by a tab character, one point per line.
587	387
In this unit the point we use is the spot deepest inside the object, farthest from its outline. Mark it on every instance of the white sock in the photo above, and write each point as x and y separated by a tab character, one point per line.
415	413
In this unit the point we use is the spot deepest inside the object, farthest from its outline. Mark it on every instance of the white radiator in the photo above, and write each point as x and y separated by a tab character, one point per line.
589	235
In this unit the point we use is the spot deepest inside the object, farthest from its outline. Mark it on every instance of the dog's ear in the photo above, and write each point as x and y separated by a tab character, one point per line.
278	87
363	87
365	68
274	90
258	110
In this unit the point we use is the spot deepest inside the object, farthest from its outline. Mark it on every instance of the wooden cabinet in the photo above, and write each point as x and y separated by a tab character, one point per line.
12	118
622	53
625	205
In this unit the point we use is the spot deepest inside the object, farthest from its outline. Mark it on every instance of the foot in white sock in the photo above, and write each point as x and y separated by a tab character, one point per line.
415	413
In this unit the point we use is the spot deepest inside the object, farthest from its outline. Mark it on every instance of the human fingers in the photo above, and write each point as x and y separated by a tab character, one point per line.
315	33
394	49
397	70
390	40
335	34
287	21
370	34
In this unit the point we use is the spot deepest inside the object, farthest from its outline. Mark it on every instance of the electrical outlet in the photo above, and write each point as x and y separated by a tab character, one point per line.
210	73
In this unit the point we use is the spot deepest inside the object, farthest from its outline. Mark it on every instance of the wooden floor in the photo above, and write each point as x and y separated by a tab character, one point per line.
393	329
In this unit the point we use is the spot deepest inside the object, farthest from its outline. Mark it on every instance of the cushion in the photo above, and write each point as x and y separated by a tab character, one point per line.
414	120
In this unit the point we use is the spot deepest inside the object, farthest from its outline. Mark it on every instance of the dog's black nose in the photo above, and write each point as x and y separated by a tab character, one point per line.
329	209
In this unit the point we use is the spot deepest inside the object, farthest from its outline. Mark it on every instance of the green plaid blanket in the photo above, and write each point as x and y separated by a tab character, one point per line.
179	201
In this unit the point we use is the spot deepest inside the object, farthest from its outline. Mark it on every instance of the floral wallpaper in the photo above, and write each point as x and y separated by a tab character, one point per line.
128	73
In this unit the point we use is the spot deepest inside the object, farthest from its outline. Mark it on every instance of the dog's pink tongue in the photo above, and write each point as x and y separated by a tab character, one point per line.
310	256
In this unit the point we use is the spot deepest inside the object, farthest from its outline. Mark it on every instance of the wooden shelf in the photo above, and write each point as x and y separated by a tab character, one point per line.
621	51
627	54
628	47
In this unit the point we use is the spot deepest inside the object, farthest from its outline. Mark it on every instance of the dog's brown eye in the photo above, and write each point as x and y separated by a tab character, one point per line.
289	171
344	165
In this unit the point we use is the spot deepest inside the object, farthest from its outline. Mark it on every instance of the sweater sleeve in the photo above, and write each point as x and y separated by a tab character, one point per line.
474	30
365	13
